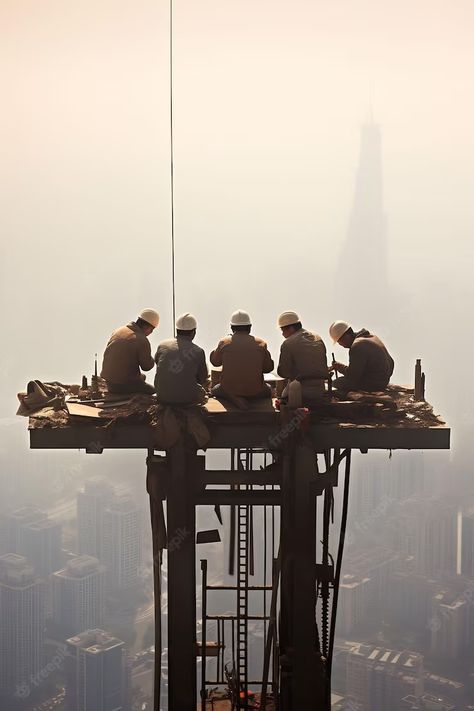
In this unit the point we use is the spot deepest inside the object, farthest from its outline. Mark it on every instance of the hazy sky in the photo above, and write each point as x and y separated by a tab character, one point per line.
269	101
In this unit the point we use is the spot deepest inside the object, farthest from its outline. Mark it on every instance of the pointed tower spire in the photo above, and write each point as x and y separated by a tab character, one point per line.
362	284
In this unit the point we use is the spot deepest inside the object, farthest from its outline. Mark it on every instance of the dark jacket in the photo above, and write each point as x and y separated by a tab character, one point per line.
370	364
181	372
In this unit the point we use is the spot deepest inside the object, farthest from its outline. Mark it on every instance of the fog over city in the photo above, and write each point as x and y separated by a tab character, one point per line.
323	163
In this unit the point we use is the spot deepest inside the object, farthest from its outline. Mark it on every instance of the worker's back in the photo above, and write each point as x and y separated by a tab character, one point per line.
303	356
369	357
127	351
244	359
181	372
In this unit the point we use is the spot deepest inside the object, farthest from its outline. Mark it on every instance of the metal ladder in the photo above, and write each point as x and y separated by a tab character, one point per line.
244	569
242	598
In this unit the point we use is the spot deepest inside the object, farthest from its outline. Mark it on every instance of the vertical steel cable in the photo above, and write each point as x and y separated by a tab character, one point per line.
173	285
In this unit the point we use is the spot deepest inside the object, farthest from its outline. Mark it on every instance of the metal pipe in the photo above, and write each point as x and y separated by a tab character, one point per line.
204	632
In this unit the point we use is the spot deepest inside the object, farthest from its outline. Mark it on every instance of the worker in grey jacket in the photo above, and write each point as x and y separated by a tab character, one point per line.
128	351
182	377
302	357
370	364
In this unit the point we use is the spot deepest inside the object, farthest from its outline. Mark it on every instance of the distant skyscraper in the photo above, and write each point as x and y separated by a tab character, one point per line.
467	546
353	604
361	288
364	587
78	595
97	673
40	542
122	542
91	502
379	483
410	600
22	622
449	625
427	530
379	678
14	521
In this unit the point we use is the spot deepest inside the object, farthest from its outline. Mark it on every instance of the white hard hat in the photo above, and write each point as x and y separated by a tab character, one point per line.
186	322
288	318
338	329
240	318
150	316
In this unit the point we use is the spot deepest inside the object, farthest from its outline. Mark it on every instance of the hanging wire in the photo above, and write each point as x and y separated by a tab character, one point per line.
173	286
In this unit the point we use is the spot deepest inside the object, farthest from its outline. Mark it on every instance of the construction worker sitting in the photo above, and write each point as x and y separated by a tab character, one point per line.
302	358
127	351
182	377
370	364
244	360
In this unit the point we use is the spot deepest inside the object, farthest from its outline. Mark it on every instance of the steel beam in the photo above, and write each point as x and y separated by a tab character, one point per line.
259	477
238	436
238	497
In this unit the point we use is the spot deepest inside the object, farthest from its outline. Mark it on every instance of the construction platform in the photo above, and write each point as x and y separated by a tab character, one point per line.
302	453
392	421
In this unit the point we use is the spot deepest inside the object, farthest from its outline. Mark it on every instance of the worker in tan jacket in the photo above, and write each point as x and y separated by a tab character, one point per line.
244	360
302	358
182	377
370	364
128	351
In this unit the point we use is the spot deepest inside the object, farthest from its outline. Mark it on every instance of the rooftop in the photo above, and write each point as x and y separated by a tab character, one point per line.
403	659
94	641
80	567
16	571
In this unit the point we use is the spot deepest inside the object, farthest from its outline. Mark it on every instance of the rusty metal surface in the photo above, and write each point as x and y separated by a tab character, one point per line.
227	436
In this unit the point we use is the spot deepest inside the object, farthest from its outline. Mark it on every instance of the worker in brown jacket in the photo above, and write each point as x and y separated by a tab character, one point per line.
128	351
302	358
244	360
370	364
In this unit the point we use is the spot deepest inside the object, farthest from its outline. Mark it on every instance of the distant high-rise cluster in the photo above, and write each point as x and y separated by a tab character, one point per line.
48	593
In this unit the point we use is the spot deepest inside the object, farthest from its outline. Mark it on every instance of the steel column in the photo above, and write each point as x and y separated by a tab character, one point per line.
181	579
302	668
